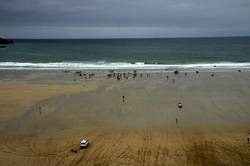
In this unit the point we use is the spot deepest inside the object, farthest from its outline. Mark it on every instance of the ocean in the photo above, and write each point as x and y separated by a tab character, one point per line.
223	52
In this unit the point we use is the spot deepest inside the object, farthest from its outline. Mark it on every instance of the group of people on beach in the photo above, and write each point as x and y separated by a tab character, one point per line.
125	75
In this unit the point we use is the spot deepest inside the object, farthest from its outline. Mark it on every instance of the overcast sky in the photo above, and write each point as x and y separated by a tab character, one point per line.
123	18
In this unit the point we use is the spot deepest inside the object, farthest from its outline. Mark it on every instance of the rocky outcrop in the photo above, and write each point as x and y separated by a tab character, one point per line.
6	41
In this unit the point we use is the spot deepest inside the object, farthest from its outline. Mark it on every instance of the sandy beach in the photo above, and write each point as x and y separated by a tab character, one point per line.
128	119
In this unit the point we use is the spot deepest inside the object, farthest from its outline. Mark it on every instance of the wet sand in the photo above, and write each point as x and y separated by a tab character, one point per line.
45	114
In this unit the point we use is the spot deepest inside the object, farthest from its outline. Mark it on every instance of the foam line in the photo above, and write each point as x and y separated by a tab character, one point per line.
118	65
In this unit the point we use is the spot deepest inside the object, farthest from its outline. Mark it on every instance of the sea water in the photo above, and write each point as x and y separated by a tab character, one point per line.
226	52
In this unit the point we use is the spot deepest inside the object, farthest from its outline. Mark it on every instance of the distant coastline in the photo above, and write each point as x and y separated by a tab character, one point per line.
6	41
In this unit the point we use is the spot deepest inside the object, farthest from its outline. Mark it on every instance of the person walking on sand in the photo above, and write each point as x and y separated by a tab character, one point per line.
176	121
123	98
40	110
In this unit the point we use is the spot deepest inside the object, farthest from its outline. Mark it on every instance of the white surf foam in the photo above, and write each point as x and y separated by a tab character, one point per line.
117	65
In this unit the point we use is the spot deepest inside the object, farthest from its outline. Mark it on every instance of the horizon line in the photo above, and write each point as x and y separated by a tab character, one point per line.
111	38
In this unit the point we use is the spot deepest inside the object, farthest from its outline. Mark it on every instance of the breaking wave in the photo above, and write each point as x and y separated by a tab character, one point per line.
117	65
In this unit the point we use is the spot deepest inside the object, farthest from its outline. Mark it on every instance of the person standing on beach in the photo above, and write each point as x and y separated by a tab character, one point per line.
40	110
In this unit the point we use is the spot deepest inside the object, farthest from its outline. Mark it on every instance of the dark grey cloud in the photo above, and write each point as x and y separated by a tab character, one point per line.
119	18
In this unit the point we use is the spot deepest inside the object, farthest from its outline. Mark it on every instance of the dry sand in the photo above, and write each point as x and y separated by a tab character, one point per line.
44	114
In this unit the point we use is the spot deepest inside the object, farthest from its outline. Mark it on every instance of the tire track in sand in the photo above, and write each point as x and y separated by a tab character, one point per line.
144	152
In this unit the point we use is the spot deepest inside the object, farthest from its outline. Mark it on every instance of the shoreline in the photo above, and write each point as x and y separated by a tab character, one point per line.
65	70
122	66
